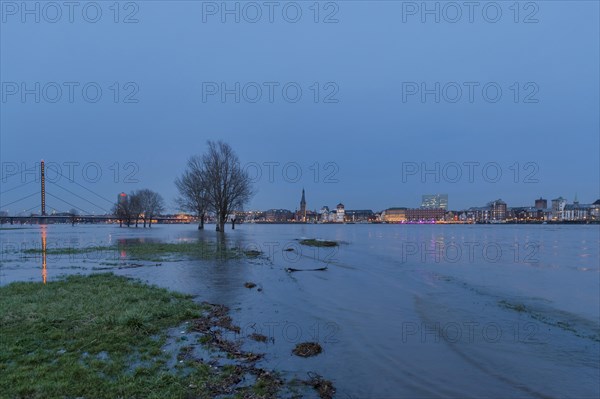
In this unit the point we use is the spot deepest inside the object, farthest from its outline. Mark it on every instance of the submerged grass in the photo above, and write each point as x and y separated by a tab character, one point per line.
518	307
98	336
157	251
67	250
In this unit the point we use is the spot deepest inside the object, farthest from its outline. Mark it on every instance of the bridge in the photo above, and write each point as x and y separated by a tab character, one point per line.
75	213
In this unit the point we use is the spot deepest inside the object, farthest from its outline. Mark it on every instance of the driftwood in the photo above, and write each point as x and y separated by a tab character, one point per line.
291	270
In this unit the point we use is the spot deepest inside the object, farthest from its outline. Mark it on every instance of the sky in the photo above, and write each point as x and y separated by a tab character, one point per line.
369	103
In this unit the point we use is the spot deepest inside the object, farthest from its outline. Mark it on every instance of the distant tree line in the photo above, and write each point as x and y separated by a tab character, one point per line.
139	205
214	182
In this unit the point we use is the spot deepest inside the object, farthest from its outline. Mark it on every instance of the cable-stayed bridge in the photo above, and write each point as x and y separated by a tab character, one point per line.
60	200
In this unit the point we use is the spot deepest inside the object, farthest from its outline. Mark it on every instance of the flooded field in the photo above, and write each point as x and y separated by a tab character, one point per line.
399	310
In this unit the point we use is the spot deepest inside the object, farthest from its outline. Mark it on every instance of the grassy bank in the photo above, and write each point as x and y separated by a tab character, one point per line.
102	336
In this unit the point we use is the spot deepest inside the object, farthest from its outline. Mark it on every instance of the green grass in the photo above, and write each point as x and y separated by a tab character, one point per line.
318	243
97	336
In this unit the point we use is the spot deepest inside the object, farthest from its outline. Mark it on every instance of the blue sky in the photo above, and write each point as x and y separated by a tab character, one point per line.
364	137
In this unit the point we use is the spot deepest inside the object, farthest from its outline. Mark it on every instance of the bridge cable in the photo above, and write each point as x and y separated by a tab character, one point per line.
85	188
68	203
80	197
20	199
19	186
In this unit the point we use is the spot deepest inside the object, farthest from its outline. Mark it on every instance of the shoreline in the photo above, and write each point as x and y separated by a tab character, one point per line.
169	344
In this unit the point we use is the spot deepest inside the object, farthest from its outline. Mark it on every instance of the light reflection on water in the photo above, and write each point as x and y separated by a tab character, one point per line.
44	263
404	315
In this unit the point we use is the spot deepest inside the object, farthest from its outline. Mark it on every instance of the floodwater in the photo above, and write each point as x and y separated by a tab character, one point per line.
413	311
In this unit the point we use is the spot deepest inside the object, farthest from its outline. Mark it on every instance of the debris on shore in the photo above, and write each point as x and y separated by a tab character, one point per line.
313	242
307	349
322	386
292	270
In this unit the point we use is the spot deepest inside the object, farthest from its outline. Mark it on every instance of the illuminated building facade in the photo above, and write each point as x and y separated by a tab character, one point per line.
394	215
434	201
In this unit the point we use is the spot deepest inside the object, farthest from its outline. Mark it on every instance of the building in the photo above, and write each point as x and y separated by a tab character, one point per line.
526	214
332	216
361	215
498	210
301	214
493	212
595	211
541	203
323	214
577	212
434	201
558	206
425	214
394	215
340	213
278	216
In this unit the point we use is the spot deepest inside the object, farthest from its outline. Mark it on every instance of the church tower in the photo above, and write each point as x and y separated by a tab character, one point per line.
303	207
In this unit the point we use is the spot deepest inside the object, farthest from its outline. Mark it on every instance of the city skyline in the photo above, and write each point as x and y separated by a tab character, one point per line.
277	190
359	134
431	201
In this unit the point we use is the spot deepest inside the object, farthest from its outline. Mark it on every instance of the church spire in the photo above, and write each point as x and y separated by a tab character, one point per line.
302	215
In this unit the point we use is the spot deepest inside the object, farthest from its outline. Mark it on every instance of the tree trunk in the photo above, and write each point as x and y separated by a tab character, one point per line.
232	224
150	222
221	224
144	222
201	225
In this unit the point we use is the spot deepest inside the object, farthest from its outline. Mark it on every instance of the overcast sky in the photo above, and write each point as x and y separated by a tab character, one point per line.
492	101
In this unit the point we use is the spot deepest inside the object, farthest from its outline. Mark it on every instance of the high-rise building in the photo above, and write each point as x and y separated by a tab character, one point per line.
434	201
541	203
498	209
558	207
122	199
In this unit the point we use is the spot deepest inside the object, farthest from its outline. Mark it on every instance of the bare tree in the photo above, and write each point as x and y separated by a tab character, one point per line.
228	186
135	206
152	204
122	210
192	187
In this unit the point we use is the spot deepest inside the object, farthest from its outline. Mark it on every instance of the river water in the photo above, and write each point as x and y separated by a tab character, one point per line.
413	311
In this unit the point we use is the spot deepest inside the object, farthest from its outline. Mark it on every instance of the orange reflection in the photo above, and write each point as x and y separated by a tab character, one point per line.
44	270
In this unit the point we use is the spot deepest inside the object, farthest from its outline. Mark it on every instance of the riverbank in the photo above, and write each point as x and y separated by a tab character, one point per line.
105	336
